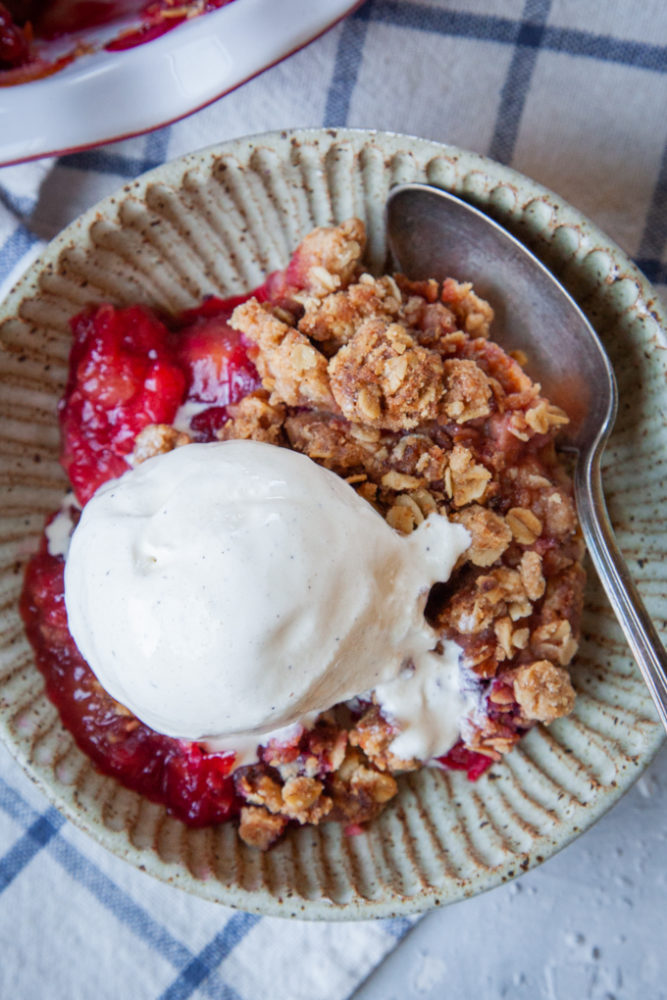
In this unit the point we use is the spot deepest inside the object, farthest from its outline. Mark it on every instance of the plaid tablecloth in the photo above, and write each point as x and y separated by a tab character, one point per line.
572	93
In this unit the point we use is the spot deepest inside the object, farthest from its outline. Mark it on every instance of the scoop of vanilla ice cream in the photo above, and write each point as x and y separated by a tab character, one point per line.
226	590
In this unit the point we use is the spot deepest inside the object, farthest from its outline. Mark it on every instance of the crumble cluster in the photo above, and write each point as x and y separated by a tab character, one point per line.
395	385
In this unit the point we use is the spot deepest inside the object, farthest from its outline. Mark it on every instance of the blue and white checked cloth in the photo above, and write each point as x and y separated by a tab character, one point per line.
571	93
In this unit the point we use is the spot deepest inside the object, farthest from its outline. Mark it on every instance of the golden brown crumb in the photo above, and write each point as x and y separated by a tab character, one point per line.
525	526
473	314
380	787
328	257
467	393
532	577
290	367
554	640
254	418
303	800
333	320
259	828
383	378
466	480
489	532
491	595
260	790
559	515
418	455
358	790
157	439
331	442
543	691
373	734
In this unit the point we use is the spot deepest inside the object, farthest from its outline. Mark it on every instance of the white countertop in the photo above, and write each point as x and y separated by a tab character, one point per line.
587	925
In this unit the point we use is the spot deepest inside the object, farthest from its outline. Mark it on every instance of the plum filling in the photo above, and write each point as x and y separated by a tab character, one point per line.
26	24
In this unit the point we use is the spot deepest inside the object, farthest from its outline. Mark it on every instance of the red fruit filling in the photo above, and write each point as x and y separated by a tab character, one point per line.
22	21
127	370
460	758
123	376
14	44
215	360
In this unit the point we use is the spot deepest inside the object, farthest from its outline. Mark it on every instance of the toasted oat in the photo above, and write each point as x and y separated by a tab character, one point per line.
331	442
394	480
554	641
333	320
524	525
374	735
489	532
303	800
291	368
473	314
466	480
410	510
328	257
510	639
254	418
467	393
532	578
425	501
543	691
503	628
382	377
260	790
542	417
156	439
260	828
537	416
496	746
402	519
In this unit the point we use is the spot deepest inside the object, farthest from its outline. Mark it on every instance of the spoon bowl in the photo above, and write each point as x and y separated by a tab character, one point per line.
432	233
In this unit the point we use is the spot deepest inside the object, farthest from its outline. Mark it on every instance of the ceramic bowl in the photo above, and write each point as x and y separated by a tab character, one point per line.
217	221
176	74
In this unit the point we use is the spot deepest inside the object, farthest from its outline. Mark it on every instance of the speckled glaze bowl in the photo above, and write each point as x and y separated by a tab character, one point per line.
217	221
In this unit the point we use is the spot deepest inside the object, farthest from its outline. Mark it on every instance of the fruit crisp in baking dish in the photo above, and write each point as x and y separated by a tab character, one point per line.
395	387
28	26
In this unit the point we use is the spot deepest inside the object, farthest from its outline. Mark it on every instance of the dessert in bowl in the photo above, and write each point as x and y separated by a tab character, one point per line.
217	224
325	540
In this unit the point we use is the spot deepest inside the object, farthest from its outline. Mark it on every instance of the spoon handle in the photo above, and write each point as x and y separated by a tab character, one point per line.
624	598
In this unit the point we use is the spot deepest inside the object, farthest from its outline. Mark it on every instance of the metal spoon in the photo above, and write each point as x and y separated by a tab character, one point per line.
434	234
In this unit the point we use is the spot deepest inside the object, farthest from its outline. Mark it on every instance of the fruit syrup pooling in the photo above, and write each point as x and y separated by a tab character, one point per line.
128	369
23	22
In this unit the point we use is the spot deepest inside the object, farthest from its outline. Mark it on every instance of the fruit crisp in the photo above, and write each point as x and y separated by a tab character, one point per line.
396	386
